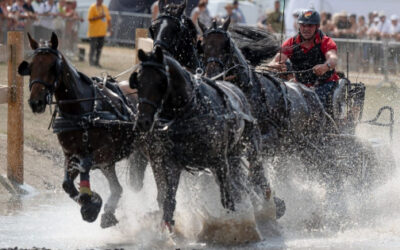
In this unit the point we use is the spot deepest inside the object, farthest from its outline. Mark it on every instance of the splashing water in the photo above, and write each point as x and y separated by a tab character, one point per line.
313	219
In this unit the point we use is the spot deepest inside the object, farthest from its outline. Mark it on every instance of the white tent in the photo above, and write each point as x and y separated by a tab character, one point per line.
359	7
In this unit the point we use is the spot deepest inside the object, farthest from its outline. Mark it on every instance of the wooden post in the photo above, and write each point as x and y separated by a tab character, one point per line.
15	122
140	32
3	94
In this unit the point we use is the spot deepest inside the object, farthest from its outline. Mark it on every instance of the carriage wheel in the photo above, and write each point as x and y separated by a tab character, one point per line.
357	162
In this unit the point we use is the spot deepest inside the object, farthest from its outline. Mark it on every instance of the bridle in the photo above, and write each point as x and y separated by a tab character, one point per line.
165	46
50	87
163	69
219	60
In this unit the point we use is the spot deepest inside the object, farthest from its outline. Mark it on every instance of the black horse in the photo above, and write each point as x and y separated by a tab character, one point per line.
193	123
94	125
290	116
176	34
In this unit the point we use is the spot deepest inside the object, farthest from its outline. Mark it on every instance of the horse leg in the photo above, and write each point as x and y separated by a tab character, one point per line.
257	172
221	172
108	218
90	201
137	167
69	176
173	173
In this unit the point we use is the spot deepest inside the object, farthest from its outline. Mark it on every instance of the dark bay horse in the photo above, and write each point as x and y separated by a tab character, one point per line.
94	125
288	115
193	124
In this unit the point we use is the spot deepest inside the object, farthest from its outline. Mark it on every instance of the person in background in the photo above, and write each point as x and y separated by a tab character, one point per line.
20	14
394	51
352	30
326	23
384	26
99	23
311	49
154	10
29	8
229	13
273	21
238	12
6	16
61	7
376	52
296	26
341	25
72	20
371	17
373	31
395	27
362	33
362	28
202	14
47	12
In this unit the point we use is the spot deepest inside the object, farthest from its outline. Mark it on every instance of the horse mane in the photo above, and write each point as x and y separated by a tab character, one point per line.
256	44
171	9
169	60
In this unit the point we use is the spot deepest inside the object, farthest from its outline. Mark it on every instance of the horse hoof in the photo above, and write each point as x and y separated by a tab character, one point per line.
280	207
91	208
108	220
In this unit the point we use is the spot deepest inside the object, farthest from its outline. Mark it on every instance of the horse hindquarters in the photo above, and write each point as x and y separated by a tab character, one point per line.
307	115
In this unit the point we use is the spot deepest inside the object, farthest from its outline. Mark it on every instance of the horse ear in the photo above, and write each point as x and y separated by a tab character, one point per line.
214	24
32	42
199	48
159	54
226	23
161	5
23	69
133	80
54	41
182	7
142	55
202	26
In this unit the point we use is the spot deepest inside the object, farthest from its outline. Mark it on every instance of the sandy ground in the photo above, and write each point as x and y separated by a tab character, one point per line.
42	154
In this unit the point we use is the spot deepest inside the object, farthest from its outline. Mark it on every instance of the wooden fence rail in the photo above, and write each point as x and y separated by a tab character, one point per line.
12	95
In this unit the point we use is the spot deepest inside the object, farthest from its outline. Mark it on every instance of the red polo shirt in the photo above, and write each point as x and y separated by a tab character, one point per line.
327	44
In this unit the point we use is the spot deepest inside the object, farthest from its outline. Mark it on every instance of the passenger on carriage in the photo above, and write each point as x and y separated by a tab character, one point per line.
313	56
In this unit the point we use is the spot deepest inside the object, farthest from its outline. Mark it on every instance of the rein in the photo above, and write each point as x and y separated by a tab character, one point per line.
288	72
164	69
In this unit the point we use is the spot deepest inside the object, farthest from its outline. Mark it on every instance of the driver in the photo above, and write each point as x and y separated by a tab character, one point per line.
313	55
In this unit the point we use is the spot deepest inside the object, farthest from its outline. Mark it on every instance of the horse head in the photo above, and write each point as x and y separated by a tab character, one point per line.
216	46
44	71
152	84
176	34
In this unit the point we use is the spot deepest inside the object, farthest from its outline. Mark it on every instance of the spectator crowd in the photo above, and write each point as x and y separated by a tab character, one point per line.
40	17
376	26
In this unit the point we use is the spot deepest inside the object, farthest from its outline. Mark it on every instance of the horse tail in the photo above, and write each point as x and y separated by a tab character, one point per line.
255	44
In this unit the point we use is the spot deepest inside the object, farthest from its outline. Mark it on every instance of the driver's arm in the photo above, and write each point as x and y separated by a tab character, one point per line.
330	63
278	62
